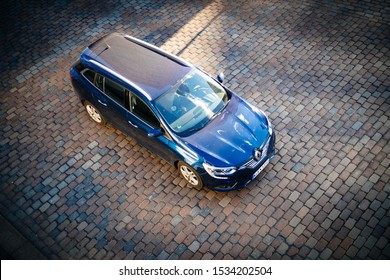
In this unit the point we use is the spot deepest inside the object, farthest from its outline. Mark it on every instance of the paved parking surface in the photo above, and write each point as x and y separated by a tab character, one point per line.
320	69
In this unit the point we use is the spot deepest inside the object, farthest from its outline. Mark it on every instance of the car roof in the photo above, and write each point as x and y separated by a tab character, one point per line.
146	67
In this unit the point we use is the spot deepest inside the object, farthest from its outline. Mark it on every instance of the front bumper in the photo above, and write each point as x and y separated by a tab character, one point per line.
242	177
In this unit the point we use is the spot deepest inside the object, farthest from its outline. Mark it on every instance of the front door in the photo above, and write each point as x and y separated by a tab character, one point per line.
145	121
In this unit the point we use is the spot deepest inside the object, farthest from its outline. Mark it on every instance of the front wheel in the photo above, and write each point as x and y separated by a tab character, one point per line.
191	176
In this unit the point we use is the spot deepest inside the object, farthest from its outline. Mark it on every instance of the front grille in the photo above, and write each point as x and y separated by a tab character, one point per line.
253	163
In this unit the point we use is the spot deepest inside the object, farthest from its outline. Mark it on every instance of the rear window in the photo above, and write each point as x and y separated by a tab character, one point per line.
78	66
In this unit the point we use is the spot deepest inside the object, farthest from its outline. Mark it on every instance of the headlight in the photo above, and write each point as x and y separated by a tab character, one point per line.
257	110
219	172
269	127
268	123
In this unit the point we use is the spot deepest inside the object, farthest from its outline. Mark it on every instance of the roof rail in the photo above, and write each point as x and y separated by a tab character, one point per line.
158	50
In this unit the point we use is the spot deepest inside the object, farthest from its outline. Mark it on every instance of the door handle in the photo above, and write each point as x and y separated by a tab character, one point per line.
101	102
136	126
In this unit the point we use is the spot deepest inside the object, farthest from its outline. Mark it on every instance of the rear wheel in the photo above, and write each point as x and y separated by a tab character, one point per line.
94	113
191	176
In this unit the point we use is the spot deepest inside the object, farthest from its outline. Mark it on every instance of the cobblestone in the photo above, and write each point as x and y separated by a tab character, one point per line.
319	69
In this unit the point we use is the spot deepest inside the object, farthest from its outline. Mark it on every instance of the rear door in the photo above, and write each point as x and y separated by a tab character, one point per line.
110	99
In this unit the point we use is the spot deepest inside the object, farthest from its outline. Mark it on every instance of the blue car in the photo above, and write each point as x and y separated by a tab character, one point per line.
210	134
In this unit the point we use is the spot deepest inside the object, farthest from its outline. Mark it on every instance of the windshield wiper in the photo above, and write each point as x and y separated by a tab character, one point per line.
196	128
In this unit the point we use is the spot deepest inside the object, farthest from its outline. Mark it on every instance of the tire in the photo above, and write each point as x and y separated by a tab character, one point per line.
190	175
94	113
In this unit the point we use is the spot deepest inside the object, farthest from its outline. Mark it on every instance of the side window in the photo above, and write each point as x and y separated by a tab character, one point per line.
142	111
112	89
89	74
99	82
115	91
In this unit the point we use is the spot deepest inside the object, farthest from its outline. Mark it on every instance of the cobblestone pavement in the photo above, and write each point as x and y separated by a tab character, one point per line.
320	69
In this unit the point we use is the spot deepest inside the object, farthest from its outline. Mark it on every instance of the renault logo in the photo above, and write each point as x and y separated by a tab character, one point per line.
257	154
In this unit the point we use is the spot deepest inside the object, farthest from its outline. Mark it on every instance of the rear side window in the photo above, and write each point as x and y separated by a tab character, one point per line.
99	82
89	75
115	91
111	88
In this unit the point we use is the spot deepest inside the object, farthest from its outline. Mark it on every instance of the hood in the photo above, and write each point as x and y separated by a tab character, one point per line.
230	139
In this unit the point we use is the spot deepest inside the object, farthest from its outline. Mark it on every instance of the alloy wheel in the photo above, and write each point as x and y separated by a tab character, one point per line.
94	113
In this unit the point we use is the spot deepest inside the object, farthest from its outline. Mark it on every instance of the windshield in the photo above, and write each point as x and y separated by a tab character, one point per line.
192	102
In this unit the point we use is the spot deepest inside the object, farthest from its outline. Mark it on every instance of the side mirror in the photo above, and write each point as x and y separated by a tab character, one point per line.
221	77
155	133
